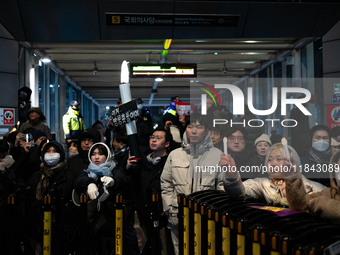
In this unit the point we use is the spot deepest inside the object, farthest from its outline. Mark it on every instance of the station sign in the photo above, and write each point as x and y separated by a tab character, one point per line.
125	113
7	116
137	19
336	98
333	116
337	88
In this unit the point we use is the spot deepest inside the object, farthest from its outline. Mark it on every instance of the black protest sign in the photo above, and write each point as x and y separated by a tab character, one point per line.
125	113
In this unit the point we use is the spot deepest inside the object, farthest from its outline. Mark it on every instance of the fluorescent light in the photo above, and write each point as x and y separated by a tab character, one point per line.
250	41
46	60
159	79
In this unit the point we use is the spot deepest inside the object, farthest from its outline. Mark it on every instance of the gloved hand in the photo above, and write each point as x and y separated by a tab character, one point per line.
108	181
92	191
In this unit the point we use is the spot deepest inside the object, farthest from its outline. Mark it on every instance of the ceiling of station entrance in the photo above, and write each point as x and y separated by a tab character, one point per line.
239	57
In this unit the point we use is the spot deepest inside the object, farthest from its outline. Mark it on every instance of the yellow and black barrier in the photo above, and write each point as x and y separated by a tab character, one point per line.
155	218
219	225
119	207
10	223
47	231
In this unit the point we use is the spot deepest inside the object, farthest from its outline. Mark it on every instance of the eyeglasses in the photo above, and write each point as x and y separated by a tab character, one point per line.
155	137
239	138
87	140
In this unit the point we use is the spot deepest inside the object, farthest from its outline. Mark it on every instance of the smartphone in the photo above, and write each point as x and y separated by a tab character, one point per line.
27	137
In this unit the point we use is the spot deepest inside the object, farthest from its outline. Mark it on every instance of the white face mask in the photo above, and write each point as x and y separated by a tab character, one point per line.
139	106
320	145
52	159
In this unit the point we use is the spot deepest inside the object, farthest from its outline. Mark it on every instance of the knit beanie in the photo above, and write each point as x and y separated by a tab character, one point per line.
39	133
263	138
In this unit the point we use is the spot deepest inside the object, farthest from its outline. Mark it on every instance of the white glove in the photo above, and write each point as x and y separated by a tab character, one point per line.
92	191
108	181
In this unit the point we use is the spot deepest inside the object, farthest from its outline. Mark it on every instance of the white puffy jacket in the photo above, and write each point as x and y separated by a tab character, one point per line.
179	174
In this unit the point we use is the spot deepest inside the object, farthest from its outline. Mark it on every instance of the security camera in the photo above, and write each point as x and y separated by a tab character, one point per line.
224	72
95	71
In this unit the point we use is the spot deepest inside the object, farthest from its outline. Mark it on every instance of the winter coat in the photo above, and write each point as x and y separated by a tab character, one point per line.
121	180
324	204
28	163
149	176
81	161
265	189
39	125
56	180
73	124
242	158
179	174
8	183
316	160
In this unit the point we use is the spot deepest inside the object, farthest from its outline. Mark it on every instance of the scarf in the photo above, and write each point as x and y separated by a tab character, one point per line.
152	159
321	156
46	174
104	169
117	153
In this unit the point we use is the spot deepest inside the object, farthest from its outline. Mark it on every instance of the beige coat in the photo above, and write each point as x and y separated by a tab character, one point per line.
179	174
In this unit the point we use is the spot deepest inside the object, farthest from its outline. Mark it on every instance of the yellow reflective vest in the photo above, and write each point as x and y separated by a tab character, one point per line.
73	124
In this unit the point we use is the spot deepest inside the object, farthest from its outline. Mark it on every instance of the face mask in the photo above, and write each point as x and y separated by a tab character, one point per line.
139	106
52	159
320	145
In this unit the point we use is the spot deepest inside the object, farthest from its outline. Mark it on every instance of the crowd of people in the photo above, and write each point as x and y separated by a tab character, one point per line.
97	162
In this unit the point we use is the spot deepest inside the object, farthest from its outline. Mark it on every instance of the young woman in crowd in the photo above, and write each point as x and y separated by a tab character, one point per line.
262	145
269	189
55	180
102	180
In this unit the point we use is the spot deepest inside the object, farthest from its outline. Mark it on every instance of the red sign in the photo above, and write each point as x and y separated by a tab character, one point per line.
333	116
8	116
184	109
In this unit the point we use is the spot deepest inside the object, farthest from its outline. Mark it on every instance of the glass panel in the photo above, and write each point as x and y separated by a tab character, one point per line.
42	75
52	86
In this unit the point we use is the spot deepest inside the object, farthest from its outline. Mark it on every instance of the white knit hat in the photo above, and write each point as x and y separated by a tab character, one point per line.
263	138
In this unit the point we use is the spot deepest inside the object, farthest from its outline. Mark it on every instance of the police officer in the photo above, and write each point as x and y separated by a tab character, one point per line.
73	123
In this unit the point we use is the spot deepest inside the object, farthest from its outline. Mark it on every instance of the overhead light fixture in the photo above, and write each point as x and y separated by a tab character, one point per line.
250	41
216	53
95	69
46	60
159	79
